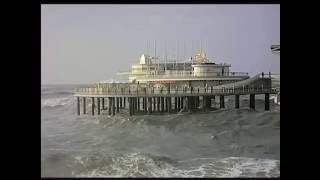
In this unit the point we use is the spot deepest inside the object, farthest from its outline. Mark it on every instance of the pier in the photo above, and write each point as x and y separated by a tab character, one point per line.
148	99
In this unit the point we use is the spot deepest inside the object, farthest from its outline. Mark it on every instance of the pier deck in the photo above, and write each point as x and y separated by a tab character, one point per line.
165	98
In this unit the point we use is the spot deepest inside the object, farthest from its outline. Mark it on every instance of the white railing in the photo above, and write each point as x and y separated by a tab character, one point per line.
180	91
245	86
191	74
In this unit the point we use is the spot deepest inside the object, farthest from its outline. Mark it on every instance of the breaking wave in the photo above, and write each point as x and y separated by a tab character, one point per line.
145	165
57	102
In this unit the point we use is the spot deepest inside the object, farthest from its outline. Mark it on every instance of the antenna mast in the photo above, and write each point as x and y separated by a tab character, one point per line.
177	54
158	65
184	56
192	51
147	46
177	50
184	50
166	54
147	56
207	48
155	48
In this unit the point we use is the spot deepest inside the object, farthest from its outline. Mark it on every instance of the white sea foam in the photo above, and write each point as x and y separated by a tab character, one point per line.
131	165
54	102
230	167
275	99
137	165
253	167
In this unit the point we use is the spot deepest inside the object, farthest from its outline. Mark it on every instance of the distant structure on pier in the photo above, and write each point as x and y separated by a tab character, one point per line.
196	71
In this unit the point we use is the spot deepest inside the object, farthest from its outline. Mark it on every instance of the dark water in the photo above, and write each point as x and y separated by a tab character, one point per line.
223	143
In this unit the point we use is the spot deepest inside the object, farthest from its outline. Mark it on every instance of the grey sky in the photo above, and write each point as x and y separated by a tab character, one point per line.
88	43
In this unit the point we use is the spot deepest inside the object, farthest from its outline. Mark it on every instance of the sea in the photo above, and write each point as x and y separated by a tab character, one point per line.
219	143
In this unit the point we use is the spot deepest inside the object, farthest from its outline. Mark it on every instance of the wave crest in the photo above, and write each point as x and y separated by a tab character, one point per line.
144	165
57	102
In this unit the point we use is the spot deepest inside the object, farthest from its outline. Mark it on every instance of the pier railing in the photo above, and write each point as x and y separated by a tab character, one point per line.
258	84
172	91
192	74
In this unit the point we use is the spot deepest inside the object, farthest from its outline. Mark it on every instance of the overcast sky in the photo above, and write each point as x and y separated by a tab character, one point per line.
88	43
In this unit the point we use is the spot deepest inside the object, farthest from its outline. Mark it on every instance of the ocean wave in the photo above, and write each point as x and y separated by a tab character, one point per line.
52	92
57	102
64	92
231	167
128	165
144	165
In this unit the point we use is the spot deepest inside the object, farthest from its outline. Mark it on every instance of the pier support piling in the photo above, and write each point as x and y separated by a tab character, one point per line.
175	104
98	101
158	104
209	102
206	102
92	100
145	105
169	104
134	105
78	105
222	105
252	101
117	104
149	105
185	103
237	101
84	105
113	106
137	104
197	100
181	102
102	103
162	104
124	102
266	102
130	106
213	101
109	105
166	104
189	102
